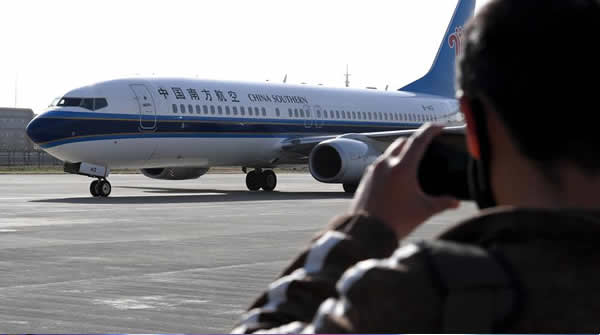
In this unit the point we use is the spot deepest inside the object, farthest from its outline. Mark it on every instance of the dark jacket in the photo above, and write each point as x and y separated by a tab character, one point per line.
353	278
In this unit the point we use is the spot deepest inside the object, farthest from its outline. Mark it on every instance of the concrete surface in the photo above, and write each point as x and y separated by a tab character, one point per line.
157	256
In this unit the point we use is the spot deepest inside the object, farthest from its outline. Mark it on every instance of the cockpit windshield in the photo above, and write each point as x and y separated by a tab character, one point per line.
54	102
87	103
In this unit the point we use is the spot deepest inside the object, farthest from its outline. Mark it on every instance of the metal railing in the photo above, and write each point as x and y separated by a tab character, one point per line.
28	159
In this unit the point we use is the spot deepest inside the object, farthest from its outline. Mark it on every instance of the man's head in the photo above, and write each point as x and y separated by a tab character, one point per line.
533	64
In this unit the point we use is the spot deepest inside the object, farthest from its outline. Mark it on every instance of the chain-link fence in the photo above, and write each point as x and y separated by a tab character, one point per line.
28	159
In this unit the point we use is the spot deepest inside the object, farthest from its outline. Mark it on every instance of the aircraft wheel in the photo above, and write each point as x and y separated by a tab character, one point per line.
94	188
105	188
350	188
269	180
253	180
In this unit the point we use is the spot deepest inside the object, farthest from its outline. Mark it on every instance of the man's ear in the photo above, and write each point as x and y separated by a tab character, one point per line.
472	140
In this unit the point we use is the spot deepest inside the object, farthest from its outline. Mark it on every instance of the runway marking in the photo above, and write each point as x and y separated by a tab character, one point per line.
205	269
8	231
149	302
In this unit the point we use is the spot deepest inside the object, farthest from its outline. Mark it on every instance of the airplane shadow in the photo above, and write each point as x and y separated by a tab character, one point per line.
195	196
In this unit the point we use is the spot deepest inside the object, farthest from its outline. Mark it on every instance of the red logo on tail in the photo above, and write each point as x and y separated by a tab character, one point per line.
455	40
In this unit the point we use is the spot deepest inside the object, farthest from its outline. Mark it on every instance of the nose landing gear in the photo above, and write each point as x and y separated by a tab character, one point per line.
100	188
257	179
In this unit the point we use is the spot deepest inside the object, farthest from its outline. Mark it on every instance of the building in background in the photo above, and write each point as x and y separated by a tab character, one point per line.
12	129
15	147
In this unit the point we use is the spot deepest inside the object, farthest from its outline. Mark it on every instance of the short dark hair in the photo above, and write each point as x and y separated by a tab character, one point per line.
535	62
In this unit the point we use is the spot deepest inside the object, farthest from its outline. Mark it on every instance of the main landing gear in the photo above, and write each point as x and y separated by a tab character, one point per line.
257	179
100	188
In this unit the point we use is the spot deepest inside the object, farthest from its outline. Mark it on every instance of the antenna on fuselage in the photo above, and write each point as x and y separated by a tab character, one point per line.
347	77
285	79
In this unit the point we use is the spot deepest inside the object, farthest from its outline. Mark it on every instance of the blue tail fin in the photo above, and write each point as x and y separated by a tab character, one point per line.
440	78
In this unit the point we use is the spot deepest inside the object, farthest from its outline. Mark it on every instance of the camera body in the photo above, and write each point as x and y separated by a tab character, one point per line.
445	167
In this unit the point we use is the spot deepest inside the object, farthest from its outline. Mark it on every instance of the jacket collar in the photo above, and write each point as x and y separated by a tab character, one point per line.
507	224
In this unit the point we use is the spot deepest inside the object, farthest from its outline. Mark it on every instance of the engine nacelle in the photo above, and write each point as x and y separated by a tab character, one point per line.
341	160
175	173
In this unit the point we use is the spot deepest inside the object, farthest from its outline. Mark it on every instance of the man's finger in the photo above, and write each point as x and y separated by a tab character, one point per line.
395	148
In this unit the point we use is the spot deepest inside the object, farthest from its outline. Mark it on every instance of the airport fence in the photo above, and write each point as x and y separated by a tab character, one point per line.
27	159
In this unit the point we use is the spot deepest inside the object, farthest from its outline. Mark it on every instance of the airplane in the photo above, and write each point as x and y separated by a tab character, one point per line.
176	129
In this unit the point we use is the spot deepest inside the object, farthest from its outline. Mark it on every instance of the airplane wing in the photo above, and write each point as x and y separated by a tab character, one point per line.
304	145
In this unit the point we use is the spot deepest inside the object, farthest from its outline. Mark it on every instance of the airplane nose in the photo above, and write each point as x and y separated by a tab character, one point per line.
34	129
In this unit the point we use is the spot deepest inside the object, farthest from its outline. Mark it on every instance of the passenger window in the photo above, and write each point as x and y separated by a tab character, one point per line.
212	109
256	111
205	109
354	115
325	115
337	114
277	112
190	109
227	110
242	111
250	111
197	109
220	110
296	113
290	112
359	116
182	108
264	112
343	114
235	112
174	108
302	112
319	114
370	116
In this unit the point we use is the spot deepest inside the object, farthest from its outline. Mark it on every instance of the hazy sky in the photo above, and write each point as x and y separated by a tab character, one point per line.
50	47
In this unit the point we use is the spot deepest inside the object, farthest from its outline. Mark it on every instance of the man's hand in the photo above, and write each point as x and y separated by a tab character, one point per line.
390	189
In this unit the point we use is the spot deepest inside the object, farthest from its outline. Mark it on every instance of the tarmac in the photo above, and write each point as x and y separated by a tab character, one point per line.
156	256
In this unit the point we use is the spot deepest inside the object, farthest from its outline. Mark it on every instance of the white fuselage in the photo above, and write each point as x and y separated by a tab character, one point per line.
152	122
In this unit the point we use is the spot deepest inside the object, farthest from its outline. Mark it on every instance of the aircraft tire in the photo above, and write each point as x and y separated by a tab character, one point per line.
94	189
253	180
350	188
269	180
105	188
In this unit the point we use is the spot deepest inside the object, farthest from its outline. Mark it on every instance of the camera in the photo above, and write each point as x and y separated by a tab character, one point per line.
445	167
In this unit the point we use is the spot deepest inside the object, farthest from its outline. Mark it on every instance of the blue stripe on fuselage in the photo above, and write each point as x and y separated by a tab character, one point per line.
61	127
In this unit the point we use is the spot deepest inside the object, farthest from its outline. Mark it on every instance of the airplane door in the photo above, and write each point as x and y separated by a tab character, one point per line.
146	106
308	121
318	116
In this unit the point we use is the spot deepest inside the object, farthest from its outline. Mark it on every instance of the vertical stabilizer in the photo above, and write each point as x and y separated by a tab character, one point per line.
440	80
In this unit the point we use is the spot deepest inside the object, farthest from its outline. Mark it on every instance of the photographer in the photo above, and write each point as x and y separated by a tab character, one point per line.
527	82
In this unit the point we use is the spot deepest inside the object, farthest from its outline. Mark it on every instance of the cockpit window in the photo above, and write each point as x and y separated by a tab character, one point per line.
100	103
87	103
54	102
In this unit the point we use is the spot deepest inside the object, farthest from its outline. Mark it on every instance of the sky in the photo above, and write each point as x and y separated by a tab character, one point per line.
51	47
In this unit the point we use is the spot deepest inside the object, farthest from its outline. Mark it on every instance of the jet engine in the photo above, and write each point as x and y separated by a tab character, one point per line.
341	160
174	173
